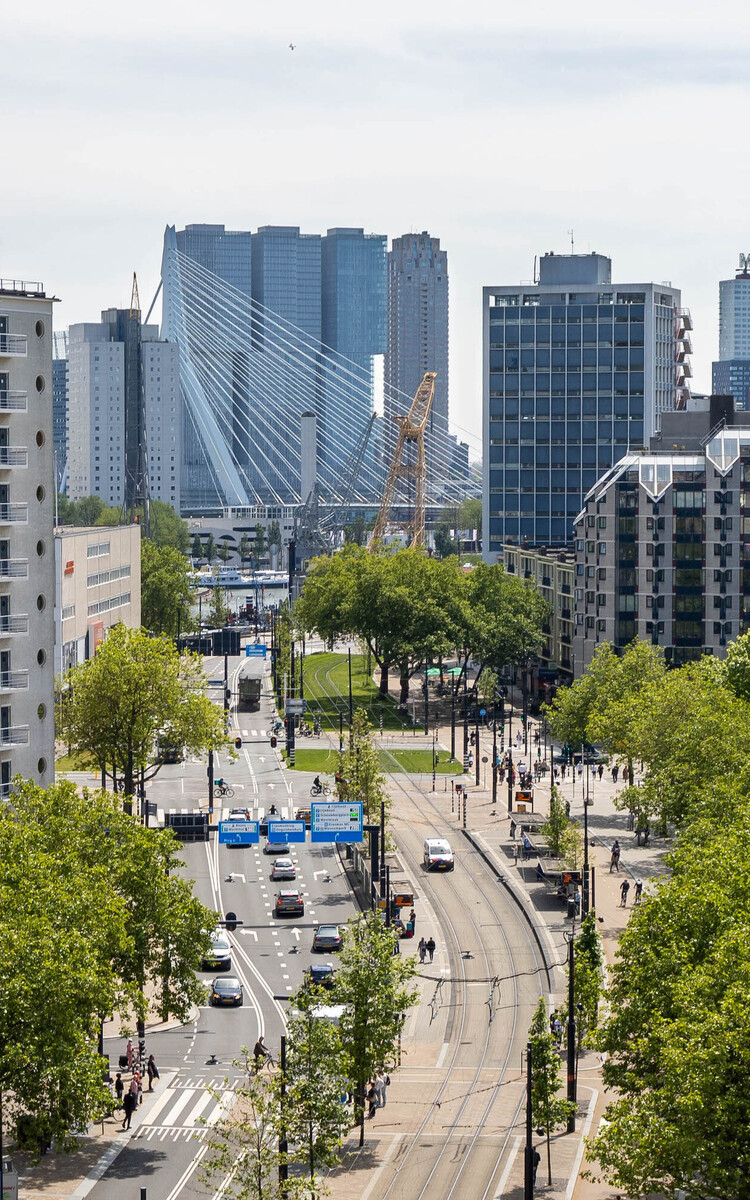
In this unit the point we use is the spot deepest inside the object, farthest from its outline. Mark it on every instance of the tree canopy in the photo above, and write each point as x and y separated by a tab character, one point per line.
166	593
134	691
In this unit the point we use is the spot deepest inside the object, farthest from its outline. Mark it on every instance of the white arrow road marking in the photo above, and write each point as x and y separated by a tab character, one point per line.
237	875
271	786
317	873
249	933
296	933
261	758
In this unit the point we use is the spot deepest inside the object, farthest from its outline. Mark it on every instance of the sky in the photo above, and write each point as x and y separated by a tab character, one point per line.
496	127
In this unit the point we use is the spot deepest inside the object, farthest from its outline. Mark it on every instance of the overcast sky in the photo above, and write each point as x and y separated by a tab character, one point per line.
496	126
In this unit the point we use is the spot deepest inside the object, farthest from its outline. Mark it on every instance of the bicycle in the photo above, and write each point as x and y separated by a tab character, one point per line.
222	789
323	790
266	1060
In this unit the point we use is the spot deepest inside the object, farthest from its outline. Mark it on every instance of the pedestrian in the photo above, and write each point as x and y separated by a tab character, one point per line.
601	770
537	1158
372	1099
119	1089
557	774
567	809
471	760
552	1017
413	919
130	1052
614	860
422	948
563	769
431	947
624	889
471	738
558	1031
129	1107
580	769
625	774
615	772
382	1082
637	891
631	820
152	1071
519	739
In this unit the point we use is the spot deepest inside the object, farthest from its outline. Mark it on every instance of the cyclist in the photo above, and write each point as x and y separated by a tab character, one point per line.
272	811
260	1052
317	784
219	783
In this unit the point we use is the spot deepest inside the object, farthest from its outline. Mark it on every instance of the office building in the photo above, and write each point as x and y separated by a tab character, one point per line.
125	413
60	406
660	546
577	371
731	374
554	574
418	340
27	505
97	585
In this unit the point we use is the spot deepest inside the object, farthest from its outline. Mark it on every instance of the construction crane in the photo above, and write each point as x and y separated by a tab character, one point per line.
135	300
334	520
410	429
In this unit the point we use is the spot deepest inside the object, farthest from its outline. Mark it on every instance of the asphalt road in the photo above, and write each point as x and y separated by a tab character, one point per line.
168	1138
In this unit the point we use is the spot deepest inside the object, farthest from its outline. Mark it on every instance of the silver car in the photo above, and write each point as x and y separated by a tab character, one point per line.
284	868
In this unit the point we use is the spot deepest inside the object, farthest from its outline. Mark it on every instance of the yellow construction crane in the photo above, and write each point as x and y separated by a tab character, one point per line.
410	429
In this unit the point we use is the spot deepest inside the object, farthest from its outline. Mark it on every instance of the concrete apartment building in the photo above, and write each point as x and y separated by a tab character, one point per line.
97	585
554	574
577	372
662	547
124	410
27	499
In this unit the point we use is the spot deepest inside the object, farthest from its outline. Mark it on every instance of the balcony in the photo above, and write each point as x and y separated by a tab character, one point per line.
13	456
13	401
14	514
14	568
14	681
14	623
14	735
13	345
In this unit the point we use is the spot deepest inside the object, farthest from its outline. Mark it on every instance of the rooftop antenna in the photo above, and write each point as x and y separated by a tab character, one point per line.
572	242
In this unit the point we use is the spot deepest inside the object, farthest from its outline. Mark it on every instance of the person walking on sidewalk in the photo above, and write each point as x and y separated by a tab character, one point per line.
614	860
601	770
637	892
152	1071
615	772
431	947
624	889
119	1089
129	1103
422	948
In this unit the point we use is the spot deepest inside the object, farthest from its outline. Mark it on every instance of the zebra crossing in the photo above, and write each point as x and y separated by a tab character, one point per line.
186	1109
257	812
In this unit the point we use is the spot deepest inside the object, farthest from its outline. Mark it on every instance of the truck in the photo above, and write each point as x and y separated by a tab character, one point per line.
249	692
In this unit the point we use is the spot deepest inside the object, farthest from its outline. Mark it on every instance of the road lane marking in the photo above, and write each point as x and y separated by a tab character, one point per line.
508	1168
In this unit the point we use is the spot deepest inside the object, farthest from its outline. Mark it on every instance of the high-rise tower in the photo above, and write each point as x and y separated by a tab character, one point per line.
731	374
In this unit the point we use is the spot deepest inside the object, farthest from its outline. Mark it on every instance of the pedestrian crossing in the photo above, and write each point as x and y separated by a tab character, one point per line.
257	812
186	1109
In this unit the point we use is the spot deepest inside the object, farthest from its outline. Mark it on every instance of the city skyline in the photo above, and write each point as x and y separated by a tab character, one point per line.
397	82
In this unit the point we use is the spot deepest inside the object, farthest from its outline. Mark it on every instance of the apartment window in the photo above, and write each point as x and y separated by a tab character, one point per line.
68	611
98	550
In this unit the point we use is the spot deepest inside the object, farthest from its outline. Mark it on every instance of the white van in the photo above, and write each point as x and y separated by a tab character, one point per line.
438	855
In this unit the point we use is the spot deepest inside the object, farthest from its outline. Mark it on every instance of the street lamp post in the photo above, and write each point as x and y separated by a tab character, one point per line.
494	760
453	717
572	1090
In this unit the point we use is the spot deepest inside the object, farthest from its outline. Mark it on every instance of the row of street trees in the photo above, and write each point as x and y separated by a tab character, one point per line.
676	1033
304	1107
94	919
411	610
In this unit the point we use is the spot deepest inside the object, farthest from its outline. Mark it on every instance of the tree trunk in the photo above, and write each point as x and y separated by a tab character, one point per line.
384	680
359	1112
404	681
549	1161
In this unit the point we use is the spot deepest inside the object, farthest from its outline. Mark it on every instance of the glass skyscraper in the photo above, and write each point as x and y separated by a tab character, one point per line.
577	371
730	376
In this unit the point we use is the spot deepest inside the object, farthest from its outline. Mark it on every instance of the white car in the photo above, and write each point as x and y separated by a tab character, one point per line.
220	956
284	868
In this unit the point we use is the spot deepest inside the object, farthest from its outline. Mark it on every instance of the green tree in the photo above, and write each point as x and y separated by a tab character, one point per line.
470	514
260	545
372	984
356	531
88	510
548	1110
556	827
210	549
110	515
316	1119
274	536
245	549
134	690
503	618
363	779
676	1037
168	528
445	543
588	977
217	614
223	552
197	549
243	1147
65	510
166	593
487	685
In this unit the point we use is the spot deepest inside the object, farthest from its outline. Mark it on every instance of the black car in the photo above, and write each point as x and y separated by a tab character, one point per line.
227	990
322	975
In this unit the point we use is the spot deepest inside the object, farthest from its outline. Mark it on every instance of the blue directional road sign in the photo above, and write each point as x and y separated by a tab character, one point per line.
239	833
286	831
255	650
336	822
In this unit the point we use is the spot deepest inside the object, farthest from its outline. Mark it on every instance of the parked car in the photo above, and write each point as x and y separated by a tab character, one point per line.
220	956
327	937
283	868
227	990
289	903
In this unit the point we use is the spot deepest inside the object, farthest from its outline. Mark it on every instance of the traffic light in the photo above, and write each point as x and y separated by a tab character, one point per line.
238	743
273	741
231	921
228	694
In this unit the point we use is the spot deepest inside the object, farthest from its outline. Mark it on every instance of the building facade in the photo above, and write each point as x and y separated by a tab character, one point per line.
60	406
663	543
27	500
418	340
731	374
577	371
554	574
97	585
125	412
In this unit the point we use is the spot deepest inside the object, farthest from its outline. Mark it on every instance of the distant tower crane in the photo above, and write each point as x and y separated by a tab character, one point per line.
411	429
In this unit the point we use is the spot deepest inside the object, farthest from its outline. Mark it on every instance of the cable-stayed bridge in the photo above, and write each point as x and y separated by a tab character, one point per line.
248	376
